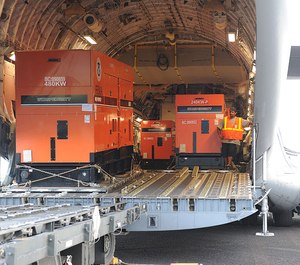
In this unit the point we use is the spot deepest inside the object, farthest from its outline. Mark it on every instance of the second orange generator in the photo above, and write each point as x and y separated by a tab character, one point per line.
197	140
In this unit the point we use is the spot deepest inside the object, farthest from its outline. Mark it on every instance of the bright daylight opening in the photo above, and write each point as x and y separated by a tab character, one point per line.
289	115
3	168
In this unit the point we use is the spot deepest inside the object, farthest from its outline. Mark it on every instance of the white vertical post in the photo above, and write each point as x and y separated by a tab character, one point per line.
253	156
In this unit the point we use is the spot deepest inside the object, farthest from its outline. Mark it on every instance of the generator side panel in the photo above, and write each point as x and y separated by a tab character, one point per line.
106	111
106	128
113	82
126	110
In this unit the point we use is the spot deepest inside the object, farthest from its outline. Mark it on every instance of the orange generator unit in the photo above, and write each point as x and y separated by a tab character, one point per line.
197	140
73	110
157	143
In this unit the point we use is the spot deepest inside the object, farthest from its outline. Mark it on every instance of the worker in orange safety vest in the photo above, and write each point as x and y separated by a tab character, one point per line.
231	130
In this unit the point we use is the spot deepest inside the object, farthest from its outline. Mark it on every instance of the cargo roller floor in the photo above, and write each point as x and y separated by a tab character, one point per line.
174	199
187	199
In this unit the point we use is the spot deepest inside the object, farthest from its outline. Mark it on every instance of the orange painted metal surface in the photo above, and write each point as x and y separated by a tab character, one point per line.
157	139
126	109
72	98
197	118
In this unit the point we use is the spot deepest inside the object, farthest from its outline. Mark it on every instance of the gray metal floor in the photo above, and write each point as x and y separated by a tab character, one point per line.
194	184
230	244
187	199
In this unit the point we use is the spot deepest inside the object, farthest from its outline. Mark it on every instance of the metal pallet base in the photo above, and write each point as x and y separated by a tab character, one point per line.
188	199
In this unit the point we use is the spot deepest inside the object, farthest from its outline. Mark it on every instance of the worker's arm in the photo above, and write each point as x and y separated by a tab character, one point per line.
246	123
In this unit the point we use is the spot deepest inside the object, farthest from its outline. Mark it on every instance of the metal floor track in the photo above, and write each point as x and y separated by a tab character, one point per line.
189	184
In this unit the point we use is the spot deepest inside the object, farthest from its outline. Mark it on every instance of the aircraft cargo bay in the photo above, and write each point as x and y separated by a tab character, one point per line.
127	117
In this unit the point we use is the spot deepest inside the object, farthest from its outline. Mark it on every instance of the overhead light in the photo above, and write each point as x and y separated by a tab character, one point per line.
90	39
4	165
12	56
138	119
251	75
231	36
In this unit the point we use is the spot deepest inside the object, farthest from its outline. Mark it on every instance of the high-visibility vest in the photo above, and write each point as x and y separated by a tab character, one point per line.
232	131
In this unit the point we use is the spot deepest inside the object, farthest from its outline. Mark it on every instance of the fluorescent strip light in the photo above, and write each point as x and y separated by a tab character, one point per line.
231	36
4	164
90	39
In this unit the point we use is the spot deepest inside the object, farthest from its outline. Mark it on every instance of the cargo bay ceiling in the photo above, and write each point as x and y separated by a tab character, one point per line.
175	46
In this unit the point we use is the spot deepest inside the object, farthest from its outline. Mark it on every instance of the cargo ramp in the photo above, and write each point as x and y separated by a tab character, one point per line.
186	199
46	225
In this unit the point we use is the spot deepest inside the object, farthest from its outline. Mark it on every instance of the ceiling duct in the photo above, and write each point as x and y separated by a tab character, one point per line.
218	11
112	5
228	4
220	20
93	23
127	18
214	5
4	16
170	35
72	9
168	25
